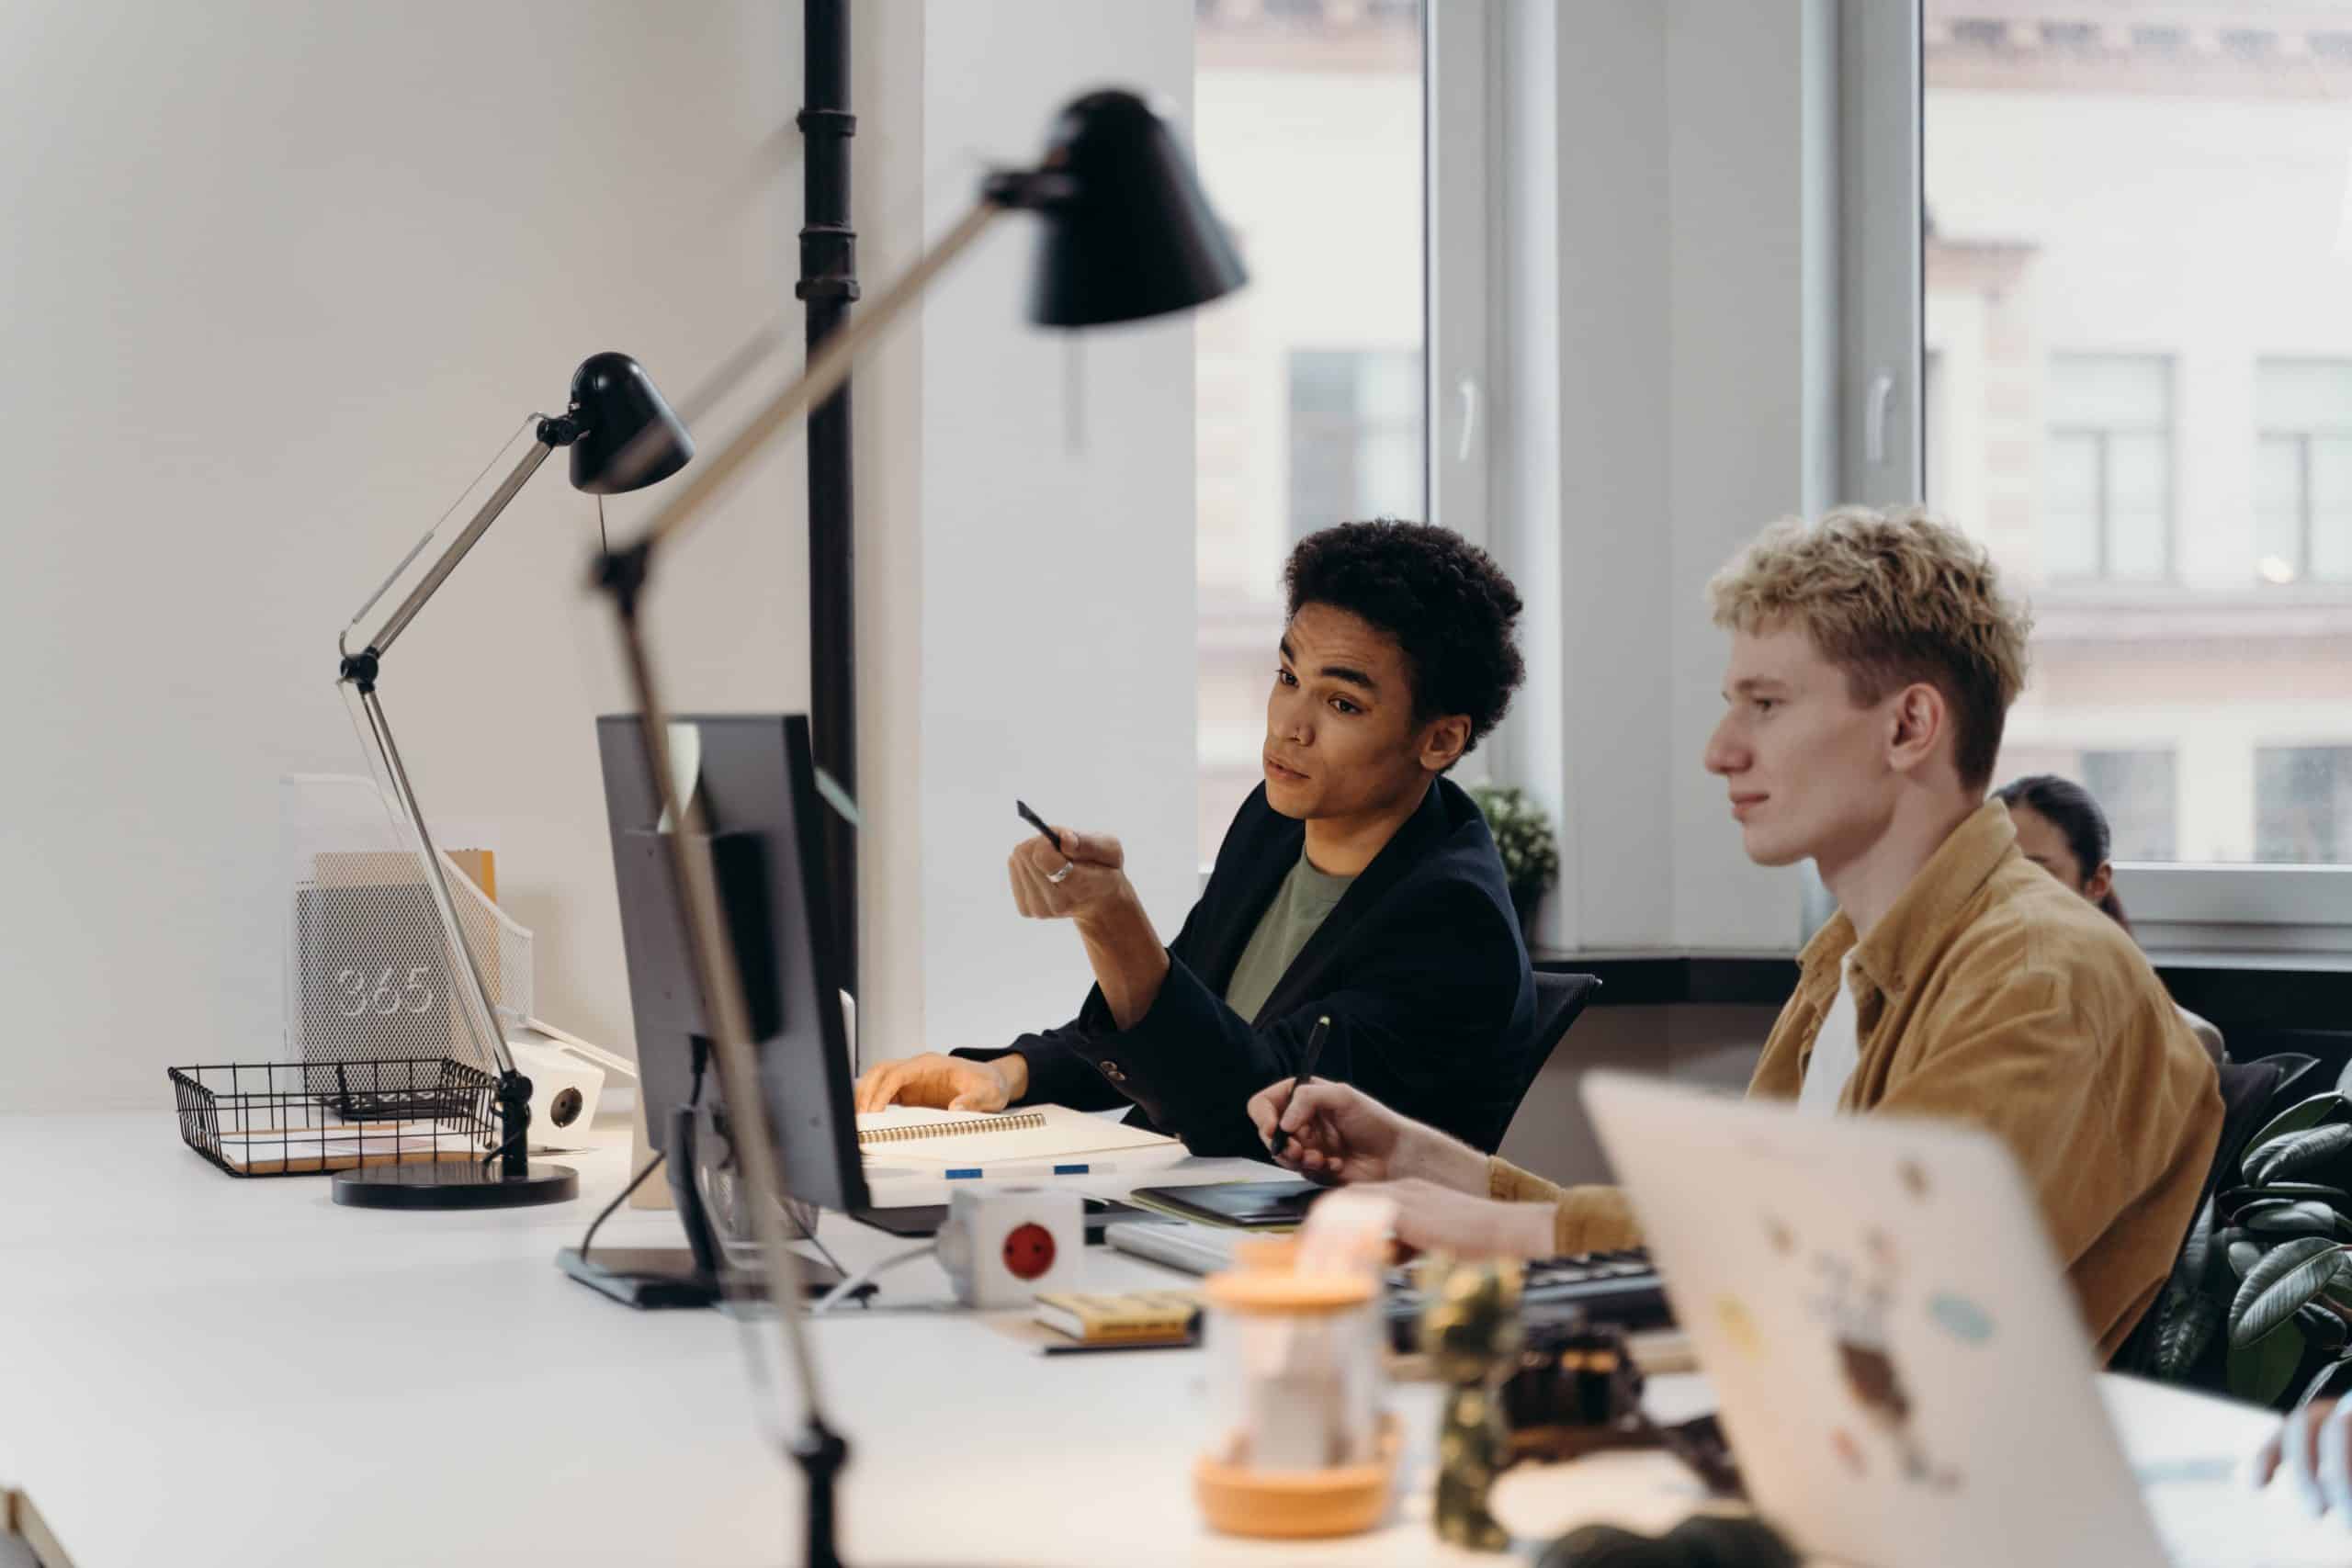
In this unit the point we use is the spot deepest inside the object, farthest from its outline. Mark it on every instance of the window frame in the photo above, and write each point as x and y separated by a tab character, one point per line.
2176	907
1459	47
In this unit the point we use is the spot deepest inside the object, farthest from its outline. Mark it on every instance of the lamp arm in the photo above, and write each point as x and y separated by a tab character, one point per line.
825	372
474	1002
360	671
552	433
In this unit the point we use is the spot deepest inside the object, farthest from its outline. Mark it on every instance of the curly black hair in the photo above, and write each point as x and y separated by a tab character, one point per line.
1446	602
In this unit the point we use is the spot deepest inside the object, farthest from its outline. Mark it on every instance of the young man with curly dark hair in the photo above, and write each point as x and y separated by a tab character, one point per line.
1357	883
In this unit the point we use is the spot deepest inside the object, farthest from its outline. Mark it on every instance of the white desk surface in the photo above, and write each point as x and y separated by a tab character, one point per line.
200	1369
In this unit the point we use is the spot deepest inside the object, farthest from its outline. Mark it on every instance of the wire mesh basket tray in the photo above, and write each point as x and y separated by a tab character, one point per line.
312	1118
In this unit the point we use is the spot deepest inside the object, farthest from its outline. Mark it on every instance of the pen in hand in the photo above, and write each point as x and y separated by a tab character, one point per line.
1315	1038
1039	823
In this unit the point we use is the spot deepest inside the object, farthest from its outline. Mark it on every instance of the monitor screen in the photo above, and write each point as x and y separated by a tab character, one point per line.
756	782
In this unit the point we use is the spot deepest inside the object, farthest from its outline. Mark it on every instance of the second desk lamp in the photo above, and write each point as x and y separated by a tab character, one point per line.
615	411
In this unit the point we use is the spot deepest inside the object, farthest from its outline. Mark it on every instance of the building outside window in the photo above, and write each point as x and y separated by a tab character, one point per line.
1357	445
2304	805
2142	800
2303	470
2107	501
2137	274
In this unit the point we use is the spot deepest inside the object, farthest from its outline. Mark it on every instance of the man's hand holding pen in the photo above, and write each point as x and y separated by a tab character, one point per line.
1082	878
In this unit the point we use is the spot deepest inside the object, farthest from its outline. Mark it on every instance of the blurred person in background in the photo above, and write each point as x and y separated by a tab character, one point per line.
2064	830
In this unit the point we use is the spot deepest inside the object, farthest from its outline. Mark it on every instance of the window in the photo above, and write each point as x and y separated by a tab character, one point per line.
1310	402
2303	801
2107	491
2131	252
1357	447
2303	470
2137	789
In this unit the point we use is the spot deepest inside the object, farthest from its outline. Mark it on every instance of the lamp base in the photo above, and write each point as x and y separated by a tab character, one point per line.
455	1184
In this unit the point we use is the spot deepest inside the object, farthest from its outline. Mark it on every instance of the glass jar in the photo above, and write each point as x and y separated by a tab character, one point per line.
1298	1443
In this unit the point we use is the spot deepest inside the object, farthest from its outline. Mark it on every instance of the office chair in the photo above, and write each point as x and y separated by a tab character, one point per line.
1559	1000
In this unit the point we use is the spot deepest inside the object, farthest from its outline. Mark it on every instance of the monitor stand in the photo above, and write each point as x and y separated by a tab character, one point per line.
655	1277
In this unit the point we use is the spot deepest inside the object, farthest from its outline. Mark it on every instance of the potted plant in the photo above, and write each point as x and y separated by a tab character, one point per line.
1523	838
2263	1285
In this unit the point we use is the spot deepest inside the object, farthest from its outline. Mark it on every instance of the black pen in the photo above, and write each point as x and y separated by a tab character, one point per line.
1315	1038
1039	823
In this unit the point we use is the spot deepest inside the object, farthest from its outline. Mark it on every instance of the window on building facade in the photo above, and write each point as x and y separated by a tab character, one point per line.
2142	800
2303	470
2107	498
2303	801
1357	447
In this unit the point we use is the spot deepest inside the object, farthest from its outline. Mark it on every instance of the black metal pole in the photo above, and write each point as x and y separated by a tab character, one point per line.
829	284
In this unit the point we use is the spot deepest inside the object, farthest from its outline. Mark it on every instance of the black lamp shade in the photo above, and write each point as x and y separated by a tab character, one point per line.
628	437
1127	232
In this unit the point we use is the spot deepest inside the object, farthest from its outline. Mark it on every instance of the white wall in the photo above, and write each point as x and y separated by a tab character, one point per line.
1056	625
1667	257
281	277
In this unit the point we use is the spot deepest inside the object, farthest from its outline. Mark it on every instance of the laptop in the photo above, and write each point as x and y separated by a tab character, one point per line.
1901	1369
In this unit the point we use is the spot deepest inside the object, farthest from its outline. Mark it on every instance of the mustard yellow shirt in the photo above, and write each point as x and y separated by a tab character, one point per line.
1992	994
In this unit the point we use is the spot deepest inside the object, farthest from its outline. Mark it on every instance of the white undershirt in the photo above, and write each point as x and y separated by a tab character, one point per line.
1836	1053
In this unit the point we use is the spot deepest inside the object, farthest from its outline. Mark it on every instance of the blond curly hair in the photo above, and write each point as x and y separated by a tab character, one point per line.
1895	597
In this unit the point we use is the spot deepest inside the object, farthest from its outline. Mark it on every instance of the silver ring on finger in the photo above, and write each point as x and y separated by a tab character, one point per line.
1058	877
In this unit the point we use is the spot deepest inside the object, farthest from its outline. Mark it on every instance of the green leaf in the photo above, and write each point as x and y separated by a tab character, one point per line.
2188	1328
2313	1148
2328	1381
2311	1217
2322	1328
2237	1198
2243	1251
2289	1276
2310	1112
2260	1372
2196	1253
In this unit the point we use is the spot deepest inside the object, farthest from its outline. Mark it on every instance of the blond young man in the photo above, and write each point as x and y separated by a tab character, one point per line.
1873	661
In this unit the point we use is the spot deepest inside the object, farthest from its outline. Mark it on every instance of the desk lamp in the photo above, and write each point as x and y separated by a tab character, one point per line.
1126	234
614	409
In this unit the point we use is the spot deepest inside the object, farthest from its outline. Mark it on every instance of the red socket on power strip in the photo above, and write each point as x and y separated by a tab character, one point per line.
1028	1251
1002	1244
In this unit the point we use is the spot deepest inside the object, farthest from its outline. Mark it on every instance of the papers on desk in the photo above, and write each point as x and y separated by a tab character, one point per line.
295	1151
1038	1137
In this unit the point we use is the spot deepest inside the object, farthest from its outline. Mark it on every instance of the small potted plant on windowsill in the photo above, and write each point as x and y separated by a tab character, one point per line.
1523	838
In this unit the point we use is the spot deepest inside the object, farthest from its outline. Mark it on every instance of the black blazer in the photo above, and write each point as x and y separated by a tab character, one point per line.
1421	966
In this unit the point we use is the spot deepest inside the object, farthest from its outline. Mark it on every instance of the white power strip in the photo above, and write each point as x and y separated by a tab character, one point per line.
1194	1249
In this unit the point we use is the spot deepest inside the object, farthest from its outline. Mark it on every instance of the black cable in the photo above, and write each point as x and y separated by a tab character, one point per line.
694	1095
808	1234
693	1090
635	1183
502	1148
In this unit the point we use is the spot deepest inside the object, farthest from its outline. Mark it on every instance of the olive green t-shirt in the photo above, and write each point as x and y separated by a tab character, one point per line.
1306	896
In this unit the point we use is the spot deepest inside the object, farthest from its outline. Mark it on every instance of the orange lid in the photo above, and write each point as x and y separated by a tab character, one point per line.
1277	1252
1276	1291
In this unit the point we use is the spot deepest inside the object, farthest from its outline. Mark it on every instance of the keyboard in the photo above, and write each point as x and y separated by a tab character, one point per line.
1619	1288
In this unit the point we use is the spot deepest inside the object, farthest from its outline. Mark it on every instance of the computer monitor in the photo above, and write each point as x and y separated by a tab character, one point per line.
757	785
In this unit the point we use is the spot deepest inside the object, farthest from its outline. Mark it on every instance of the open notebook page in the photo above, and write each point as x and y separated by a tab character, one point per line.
906	1135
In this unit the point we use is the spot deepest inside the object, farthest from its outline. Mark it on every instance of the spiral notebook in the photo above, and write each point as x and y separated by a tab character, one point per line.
906	1136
